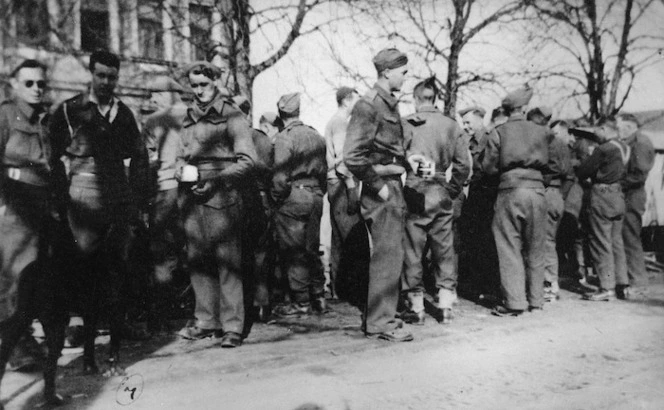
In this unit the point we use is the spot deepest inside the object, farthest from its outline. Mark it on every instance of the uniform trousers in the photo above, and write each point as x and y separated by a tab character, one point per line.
297	224
213	236
385	222
520	232
555	206
607	210
635	206
166	235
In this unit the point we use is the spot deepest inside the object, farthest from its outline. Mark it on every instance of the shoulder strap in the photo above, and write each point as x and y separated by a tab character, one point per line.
71	130
624	153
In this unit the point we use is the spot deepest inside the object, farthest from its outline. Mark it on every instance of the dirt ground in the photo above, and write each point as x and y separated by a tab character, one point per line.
573	355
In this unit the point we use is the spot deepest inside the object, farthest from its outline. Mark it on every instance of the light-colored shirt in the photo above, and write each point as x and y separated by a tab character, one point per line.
335	137
111	109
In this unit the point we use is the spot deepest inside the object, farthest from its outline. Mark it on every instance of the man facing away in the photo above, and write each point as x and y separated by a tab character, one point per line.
433	143
215	157
374	154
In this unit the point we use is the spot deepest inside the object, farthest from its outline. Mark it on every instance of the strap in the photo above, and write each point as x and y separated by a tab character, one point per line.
71	130
623	153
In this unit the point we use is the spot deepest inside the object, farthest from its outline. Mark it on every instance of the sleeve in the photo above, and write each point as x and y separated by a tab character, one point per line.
461	163
589	166
283	153
555	167
4	135
491	160
60	139
641	160
359	143
138	166
244	149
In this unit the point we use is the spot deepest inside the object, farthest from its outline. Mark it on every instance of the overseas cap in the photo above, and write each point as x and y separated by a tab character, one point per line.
164	84
546	111
518	98
476	109
389	58
289	104
204	67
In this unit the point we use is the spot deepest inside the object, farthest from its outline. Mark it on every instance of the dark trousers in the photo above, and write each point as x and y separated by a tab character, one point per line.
607	209
297	223
434	226
214	252
635	206
385	221
166	235
520	229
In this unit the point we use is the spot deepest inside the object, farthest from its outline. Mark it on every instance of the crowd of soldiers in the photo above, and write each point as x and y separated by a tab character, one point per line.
416	203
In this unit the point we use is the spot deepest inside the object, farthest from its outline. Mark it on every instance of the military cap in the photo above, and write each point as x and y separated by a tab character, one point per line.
243	103
478	110
389	58
164	84
289	104
518	98
204	67
546	111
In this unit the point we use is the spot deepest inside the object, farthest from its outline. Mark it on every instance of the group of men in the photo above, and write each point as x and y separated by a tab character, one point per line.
239	209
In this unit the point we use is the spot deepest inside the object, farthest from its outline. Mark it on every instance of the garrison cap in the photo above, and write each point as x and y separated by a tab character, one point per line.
289	104
164	84
475	109
518	98
389	58
204	67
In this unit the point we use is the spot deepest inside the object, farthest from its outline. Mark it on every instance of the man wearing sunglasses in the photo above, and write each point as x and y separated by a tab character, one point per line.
24	206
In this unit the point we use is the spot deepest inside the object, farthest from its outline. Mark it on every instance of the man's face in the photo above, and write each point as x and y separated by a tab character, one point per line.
472	123
396	77
203	87
562	133
606	132
160	100
269	129
625	128
29	85
104	80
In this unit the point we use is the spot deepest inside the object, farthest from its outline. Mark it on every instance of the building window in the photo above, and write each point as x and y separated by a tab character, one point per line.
32	22
94	25
200	23
150	30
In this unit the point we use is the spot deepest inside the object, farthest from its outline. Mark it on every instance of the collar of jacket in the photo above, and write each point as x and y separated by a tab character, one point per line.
33	114
385	95
293	124
516	117
428	108
216	108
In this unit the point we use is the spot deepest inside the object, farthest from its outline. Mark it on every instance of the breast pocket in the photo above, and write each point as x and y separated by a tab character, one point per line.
23	143
390	132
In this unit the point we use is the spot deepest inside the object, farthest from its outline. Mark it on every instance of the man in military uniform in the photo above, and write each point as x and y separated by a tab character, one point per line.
477	214
161	133
25	205
433	143
640	163
271	125
374	154
342	191
96	133
215	157
518	151
298	185
606	168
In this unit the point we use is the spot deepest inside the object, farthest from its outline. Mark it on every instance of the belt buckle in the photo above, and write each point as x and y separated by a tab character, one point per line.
14	173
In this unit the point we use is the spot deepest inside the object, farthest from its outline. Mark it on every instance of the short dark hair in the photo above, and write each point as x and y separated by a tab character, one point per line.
420	91
502	111
561	123
343	93
104	57
29	63
609	122
630	118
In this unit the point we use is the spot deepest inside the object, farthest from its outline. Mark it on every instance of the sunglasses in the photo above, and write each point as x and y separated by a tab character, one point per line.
41	84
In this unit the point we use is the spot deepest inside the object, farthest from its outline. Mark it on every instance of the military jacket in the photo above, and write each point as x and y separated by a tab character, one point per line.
161	133
641	160
25	149
607	163
560	163
299	155
374	136
440	139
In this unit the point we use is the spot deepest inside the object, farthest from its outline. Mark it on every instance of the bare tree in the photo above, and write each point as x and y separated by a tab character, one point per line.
604	44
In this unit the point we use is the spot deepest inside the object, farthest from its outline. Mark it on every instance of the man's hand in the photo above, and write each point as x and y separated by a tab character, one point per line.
384	193
415	160
202	188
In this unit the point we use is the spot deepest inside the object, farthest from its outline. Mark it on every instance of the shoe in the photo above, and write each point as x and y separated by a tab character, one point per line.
395	335
503	311
319	305
28	355
623	292
550	295
231	339
446	316
535	309
602	295
293	309
196	333
413	318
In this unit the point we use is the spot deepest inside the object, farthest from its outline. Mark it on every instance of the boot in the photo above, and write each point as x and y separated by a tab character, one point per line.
444	301
414	314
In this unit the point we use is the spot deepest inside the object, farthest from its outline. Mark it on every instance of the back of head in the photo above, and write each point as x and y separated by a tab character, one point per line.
105	58
343	93
426	91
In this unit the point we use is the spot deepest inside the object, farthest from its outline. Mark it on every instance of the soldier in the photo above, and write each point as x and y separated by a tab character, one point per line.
25	206
433	143
161	133
215	158
271	125
96	133
477	213
342	190
640	162
518	151
374	153
606	169
298	186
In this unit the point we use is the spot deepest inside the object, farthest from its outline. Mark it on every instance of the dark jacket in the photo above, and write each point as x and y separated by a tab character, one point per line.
641	160
606	165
